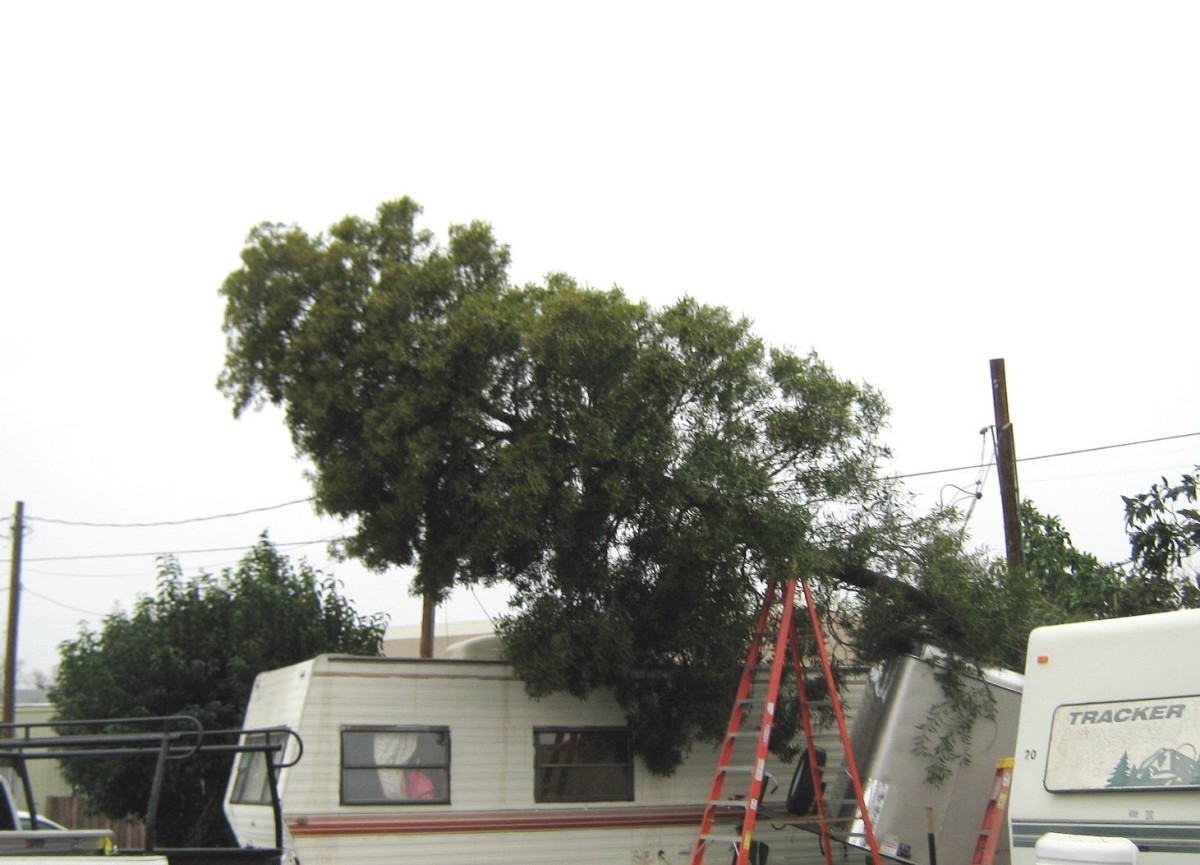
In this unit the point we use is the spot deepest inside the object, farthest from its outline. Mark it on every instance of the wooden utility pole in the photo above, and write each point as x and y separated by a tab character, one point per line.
14	608
1006	457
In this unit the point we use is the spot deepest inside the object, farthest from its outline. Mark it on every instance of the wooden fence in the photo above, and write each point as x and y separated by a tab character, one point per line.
71	811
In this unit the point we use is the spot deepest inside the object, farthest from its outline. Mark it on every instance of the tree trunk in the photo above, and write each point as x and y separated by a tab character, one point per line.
428	614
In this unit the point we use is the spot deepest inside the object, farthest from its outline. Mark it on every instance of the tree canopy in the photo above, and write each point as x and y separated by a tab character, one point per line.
1073	585
633	473
194	648
1164	537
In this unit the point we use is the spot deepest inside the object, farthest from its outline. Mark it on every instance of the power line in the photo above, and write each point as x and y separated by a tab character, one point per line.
1051	456
169	522
130	575
30	591
169	552
974	467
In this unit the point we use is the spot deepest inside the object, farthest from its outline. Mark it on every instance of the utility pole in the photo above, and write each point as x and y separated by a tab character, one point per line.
14	608
1006	458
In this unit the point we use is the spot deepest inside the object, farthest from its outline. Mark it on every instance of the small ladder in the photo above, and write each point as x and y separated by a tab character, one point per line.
785	647
993	815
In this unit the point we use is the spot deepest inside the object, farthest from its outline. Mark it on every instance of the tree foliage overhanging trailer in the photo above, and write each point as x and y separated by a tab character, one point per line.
165	740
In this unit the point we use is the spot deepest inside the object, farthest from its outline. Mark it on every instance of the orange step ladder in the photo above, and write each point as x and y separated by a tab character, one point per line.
993	815
742	720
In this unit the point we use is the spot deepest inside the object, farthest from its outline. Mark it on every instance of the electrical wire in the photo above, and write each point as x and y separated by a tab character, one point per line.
133	575
25	590
167	522
982	467
481	606
170	552
980	479
1051	456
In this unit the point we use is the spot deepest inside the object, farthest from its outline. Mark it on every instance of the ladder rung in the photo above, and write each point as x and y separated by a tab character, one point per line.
722	839
727	803
811	820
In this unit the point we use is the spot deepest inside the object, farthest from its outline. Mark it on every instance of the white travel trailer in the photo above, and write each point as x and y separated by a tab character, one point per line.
449	761
894	708
1108	737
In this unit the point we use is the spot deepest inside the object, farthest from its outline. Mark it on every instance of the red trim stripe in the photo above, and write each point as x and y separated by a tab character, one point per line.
546	820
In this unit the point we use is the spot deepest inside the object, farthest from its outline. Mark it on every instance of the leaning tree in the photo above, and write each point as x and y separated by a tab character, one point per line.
632	473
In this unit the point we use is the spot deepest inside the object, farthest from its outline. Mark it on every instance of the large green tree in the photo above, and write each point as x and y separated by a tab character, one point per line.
194	648
1163	524
1073	585
634	473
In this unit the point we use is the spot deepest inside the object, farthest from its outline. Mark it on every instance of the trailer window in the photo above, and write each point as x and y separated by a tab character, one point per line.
251	785
399	765
582	765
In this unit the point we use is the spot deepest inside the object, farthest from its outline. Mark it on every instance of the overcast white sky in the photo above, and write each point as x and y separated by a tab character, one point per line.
910	189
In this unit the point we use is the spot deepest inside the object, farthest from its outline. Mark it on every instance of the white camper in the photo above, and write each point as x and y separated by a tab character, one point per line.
1108	737
450	761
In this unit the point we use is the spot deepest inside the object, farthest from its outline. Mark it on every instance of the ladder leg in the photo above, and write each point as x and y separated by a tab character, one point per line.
754	797
737	719
993	815
851	764
813	763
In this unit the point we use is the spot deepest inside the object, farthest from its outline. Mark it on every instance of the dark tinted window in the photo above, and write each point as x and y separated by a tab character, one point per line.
582	765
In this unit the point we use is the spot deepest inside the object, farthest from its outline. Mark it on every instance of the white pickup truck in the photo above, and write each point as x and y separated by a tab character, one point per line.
49	845
167	740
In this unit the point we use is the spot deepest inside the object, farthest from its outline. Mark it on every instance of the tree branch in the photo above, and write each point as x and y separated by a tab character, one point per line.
932	603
